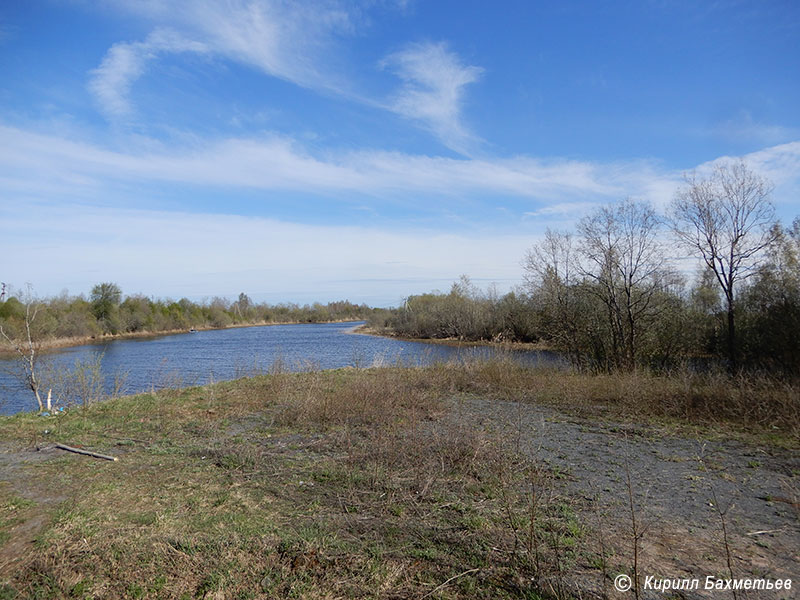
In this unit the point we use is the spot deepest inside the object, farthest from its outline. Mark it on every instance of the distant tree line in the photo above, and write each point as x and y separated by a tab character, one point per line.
611	296
106	311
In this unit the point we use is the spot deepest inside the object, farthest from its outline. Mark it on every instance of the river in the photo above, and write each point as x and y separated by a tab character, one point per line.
222	354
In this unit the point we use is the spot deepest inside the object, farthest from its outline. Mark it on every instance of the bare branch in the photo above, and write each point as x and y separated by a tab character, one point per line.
727	221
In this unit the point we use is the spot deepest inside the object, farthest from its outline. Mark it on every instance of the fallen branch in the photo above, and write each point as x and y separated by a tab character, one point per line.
764	531
437	588
85	452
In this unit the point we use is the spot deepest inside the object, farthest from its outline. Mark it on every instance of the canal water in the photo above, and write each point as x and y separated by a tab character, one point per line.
216	355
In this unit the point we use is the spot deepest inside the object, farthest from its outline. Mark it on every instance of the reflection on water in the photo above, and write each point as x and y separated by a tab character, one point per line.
204	356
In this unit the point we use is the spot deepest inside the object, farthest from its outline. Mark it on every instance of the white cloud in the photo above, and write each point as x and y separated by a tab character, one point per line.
562	209
744	128
432	93
274	163
780	164
280	163
196	255
294	41
126	62
44	179
291	41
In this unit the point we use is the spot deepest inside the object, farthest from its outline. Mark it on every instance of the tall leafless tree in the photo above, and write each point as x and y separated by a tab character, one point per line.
727	220
600	292
550	275
626	263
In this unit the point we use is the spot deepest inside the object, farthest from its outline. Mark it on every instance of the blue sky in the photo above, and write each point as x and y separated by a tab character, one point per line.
304	151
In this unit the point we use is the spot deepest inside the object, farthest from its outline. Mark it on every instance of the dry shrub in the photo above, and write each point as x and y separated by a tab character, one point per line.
756	402
352	397
429	450
386	395
751	402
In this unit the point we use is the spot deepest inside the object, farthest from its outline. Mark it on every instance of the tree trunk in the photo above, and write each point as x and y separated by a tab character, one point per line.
32	381
35	389
732	362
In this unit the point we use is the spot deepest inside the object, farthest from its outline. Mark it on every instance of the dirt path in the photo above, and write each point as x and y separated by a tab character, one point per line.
17	480
680	487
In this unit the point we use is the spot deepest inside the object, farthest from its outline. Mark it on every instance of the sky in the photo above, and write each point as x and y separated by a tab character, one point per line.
368	150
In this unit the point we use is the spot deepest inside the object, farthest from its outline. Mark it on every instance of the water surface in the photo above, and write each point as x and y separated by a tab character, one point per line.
205	356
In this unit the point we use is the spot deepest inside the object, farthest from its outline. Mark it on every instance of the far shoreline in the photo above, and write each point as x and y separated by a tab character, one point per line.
454	342
61	343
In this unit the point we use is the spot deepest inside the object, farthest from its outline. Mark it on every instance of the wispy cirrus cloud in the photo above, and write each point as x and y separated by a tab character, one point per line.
562	209
743	127
125	62
296	42
280	163
291	41
274	162
434	79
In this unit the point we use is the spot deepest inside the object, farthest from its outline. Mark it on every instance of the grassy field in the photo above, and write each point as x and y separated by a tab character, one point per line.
339	484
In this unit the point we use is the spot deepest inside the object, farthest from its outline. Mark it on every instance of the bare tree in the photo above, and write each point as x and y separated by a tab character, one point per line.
27	346
626	263
550	275
727	220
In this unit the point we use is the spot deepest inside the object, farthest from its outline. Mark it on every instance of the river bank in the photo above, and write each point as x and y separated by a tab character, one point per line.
60	343
531	346
471	481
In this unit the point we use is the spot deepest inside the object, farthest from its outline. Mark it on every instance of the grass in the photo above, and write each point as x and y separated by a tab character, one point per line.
338	484
12	511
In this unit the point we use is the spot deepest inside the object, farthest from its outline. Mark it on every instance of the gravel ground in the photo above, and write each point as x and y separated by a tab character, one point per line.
681	487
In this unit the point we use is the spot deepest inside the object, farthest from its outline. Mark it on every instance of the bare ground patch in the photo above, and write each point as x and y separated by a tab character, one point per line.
682	490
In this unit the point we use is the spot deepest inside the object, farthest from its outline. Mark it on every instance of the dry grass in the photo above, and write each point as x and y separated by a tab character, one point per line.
754	404
342	484
320	485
